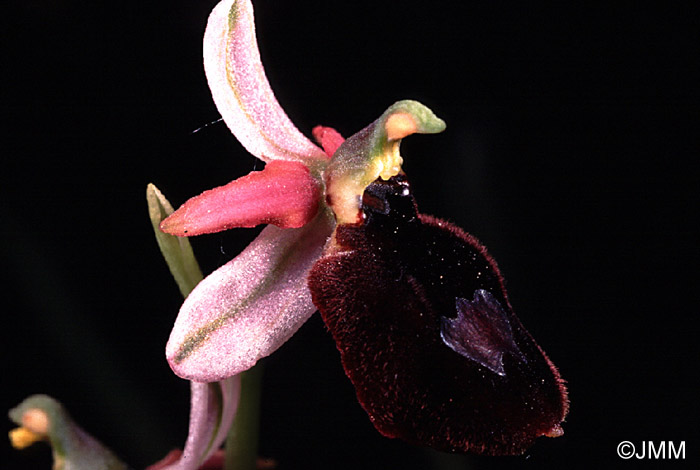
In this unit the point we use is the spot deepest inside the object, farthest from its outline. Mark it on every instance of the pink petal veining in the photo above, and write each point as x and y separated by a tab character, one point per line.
249	307
283	194
241	91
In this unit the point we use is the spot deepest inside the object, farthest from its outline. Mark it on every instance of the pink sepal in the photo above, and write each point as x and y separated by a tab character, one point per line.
211	415
250	306
283	194
241	91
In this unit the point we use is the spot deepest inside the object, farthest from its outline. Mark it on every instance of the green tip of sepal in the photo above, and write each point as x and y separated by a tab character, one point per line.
177	251
44	418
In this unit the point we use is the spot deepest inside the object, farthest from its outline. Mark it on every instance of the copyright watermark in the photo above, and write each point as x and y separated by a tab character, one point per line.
652	450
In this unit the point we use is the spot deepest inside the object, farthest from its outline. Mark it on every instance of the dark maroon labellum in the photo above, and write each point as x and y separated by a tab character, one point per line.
426	333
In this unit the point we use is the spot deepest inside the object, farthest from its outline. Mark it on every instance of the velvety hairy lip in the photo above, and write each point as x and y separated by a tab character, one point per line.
386	293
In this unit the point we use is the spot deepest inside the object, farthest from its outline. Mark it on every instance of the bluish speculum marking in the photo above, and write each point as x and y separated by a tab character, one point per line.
481	332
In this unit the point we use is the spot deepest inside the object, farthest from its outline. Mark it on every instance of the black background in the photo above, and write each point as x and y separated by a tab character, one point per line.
571	151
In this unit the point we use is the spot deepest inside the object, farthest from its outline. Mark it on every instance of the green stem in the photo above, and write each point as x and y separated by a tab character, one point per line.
242	441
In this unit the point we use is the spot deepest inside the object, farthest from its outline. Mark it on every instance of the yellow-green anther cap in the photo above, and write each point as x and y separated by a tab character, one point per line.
374	153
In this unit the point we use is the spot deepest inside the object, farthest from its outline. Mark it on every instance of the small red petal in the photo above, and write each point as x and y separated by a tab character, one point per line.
215	462
284	194
170	459
328	138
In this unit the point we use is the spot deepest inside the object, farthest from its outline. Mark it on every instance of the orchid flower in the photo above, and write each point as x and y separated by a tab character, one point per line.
42	418
417	307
